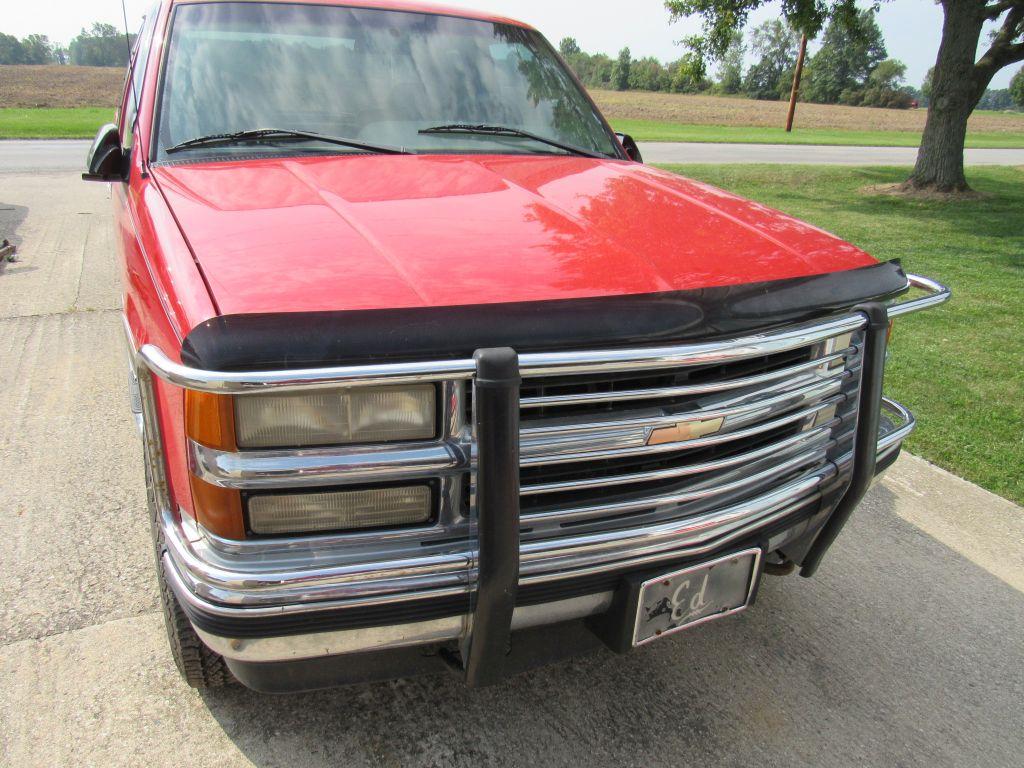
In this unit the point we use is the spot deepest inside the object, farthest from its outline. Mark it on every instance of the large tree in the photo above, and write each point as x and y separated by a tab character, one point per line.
960	77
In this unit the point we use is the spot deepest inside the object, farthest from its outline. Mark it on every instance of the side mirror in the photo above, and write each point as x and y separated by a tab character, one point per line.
632	150
105	161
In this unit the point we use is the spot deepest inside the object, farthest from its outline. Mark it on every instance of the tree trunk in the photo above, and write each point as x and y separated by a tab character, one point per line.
957	86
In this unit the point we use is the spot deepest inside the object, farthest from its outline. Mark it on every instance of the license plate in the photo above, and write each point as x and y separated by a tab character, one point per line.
695	595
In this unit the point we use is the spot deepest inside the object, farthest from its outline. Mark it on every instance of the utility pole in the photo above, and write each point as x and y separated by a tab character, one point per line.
796	83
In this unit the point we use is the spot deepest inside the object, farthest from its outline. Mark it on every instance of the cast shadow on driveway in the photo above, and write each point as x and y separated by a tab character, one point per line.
901	652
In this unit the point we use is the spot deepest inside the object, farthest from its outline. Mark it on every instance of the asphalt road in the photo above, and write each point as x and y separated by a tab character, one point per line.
70	155
906	650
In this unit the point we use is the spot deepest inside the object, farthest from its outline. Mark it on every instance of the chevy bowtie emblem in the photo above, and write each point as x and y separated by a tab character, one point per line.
685	430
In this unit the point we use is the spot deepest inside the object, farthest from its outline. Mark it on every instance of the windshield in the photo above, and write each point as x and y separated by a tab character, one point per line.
373	76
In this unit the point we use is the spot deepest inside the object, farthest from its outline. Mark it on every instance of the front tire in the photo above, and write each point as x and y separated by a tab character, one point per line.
199	666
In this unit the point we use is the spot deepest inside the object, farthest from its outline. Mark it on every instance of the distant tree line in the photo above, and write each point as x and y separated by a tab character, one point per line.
852	66
100	46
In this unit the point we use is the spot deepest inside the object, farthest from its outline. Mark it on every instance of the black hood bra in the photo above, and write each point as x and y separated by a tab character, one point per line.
321	339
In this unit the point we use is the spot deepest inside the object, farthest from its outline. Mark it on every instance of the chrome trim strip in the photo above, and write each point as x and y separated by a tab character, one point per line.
253	382
898	435
682	471
937	294
554	363
311	467
317	644
538	364
587	398
284	580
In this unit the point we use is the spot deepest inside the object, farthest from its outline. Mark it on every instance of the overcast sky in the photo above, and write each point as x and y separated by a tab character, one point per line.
911	27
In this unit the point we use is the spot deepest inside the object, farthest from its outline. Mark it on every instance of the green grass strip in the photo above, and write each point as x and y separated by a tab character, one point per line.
80	123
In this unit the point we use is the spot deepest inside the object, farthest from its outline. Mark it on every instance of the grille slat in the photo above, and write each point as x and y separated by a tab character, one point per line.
701	491
611	395
604	481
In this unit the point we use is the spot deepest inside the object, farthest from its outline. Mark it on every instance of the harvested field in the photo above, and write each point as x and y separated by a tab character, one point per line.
59	86
689	109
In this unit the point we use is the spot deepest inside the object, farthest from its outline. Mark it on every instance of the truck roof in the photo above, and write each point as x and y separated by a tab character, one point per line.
395	5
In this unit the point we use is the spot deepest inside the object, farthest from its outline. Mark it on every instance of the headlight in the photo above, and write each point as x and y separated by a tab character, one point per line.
271	514
336	417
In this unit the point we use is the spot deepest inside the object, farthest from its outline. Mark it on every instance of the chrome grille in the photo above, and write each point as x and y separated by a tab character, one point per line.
587	459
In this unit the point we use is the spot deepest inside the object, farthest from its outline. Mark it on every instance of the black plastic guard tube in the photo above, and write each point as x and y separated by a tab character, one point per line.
865	449
496	423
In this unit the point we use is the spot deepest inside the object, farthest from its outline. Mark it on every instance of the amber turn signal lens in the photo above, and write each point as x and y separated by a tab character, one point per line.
218	510
210	420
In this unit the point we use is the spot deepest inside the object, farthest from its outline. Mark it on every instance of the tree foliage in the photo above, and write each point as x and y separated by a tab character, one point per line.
569	47
34	49
688	75
730	64
1016	89
10	49
621	69
101	46
721	17
846	59
775	44
884	88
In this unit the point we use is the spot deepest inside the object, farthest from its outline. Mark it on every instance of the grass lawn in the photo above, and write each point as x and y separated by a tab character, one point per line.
651	130
76	123
959	367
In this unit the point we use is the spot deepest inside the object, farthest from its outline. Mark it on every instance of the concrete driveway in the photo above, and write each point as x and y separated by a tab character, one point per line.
70	155
906	650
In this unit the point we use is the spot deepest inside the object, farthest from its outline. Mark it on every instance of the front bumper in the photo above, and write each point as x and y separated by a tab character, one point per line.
266	607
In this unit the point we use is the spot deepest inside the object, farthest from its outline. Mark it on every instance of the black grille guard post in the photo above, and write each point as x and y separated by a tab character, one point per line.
496	424
865	449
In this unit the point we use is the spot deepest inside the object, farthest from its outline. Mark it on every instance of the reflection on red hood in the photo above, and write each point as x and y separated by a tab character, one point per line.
367	232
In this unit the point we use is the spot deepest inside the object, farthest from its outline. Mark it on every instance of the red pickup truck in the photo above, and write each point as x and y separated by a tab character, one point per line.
433	374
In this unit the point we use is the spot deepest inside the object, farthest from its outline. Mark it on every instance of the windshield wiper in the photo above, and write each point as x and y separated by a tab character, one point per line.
238	137
504	130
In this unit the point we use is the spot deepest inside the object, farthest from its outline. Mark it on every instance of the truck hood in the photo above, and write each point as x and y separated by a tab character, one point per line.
374	232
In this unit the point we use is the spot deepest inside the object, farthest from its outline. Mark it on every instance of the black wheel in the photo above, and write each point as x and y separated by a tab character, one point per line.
201	667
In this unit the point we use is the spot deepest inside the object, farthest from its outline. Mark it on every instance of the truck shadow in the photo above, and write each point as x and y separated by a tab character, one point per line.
901	652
